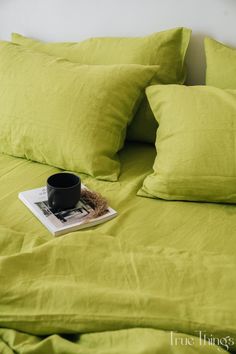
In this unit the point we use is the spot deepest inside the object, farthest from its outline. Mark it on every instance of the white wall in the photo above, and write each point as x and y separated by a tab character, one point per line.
60	20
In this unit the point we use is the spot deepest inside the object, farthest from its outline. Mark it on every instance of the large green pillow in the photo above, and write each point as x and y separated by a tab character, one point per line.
166	49
65	114
195	144
221	64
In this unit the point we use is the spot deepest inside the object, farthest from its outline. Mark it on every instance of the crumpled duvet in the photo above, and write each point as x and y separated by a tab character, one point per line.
159	278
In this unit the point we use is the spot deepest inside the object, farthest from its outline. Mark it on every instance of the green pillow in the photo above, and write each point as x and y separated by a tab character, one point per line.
65	114
195	144
221	65
166	49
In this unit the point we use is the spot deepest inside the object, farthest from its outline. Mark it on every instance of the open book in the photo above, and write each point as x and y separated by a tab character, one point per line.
62	222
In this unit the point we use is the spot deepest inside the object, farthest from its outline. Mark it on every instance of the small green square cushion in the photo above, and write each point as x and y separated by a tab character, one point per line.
65	114
221	65
196	144
166	49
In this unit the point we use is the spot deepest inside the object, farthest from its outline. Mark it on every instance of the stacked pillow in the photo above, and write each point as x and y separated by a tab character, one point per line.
166	49
221	64
196	149
65	114
69	104
195	144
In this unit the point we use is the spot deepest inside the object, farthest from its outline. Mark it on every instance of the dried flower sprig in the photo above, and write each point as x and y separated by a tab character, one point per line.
97	202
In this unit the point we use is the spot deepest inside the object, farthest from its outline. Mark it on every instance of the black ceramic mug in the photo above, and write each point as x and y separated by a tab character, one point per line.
64	191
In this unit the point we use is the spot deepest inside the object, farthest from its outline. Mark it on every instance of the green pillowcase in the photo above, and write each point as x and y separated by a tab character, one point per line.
221	65
166	49
195	144
65	114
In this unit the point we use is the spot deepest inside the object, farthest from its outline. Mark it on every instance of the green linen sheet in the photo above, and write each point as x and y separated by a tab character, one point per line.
156	279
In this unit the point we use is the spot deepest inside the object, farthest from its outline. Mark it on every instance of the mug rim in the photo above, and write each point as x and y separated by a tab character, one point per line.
64	173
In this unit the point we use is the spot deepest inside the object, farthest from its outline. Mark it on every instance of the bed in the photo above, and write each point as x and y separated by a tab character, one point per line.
103	290
160	277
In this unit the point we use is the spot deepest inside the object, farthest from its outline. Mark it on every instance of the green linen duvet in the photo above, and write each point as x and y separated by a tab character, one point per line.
159	278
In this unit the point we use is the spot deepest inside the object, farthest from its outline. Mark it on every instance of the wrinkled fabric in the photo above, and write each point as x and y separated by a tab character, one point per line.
220	64
120	287
166	49
65	114
130	341
195	144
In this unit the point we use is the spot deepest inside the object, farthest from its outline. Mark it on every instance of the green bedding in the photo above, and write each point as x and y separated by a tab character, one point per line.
121	287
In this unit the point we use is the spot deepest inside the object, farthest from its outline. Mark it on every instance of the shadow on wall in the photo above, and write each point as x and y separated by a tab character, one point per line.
195	59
